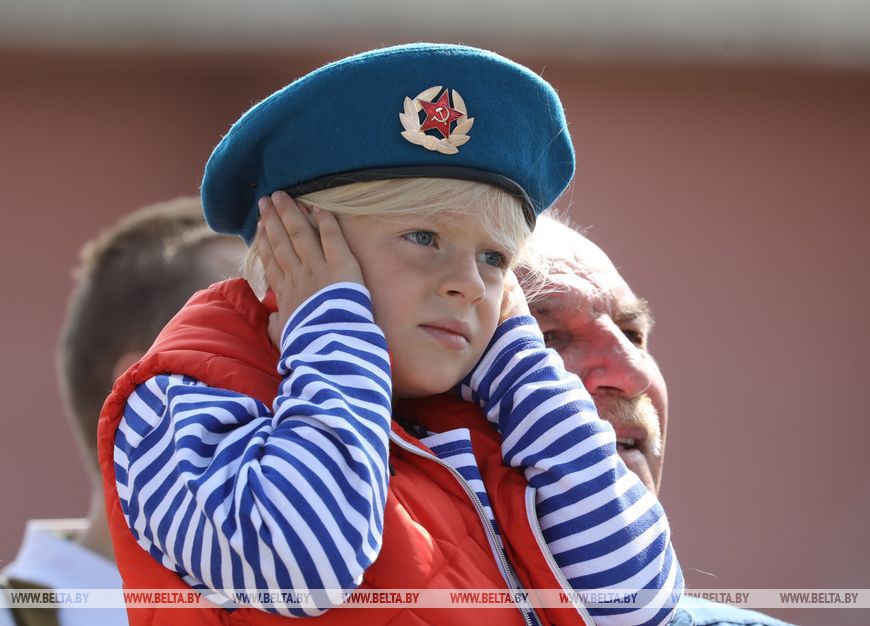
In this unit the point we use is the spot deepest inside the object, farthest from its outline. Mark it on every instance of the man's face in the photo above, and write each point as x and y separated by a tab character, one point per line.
593	319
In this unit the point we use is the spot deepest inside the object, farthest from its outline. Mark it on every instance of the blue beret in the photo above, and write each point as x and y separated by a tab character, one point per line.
430	110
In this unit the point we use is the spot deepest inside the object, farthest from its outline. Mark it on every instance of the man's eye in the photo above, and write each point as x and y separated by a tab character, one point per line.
422	237
490	257
634	336
551	339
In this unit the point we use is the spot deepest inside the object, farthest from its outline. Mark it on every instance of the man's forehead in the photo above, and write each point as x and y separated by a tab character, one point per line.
565	290
581	278
588	276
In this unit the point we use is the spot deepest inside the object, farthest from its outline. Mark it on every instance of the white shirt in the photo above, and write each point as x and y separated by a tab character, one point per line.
48	558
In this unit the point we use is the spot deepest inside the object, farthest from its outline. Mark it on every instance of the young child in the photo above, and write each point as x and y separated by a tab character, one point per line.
353	463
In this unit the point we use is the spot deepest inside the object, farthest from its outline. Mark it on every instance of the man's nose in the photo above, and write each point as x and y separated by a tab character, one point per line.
610	364
461	276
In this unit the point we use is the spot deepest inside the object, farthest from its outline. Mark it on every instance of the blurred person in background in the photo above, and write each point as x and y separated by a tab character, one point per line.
589	314
133	278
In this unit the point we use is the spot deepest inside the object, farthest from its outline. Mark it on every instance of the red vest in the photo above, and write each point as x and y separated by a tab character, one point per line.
433	537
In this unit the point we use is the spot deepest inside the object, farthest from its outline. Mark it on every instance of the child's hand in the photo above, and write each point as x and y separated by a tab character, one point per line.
513	300
300	255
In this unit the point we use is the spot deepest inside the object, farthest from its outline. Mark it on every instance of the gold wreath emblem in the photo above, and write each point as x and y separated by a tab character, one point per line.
410	119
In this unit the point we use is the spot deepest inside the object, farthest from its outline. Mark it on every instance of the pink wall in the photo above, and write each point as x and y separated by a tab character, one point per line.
736	200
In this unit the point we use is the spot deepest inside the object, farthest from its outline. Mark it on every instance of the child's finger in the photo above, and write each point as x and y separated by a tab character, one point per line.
282	251
273	273
301	233
332	239
339	256
513	301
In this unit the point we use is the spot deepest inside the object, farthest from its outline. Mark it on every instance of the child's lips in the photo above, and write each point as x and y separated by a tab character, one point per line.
455	326
452	333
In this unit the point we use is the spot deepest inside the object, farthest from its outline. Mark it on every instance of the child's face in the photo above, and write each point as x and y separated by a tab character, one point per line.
436	284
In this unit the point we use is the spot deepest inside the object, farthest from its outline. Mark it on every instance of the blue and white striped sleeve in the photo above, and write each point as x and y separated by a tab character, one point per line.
605	530
233	495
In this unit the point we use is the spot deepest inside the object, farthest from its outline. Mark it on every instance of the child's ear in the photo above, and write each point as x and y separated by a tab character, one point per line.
124	362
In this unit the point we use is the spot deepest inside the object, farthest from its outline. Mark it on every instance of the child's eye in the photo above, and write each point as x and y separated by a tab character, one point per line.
491	257
422	237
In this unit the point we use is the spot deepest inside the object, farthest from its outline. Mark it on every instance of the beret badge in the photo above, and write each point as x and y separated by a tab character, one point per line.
451	121
519	143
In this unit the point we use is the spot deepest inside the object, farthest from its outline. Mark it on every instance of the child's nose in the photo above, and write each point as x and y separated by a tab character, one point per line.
462	277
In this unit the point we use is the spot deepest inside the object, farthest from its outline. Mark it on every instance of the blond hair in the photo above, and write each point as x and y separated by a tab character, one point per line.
500	212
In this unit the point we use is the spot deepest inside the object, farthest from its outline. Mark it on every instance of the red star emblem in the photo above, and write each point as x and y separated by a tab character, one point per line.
439	115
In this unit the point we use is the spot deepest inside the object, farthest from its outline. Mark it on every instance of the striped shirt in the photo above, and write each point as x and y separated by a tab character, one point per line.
232	494
603	528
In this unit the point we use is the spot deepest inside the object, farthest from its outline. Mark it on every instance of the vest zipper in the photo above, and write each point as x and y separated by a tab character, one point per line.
532	514
495	545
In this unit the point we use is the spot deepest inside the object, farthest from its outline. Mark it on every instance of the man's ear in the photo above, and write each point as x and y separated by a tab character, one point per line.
124	361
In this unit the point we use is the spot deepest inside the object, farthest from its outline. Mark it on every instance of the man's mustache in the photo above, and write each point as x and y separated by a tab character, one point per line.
638	411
